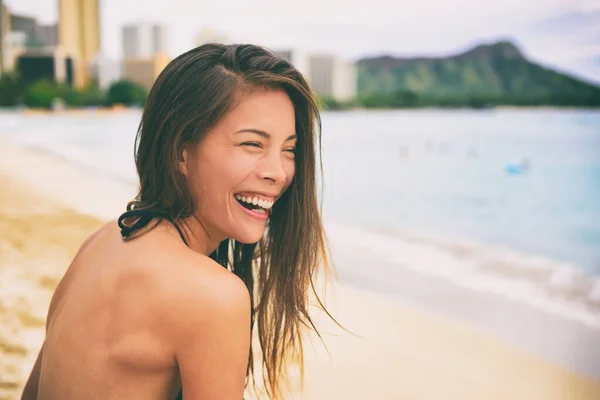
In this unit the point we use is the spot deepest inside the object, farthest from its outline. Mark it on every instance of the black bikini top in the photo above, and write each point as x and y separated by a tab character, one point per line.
144	217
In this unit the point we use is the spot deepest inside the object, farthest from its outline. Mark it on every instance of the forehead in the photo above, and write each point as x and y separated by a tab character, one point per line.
271	111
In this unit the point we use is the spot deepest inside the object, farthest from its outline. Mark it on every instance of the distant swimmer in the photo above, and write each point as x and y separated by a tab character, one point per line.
517	168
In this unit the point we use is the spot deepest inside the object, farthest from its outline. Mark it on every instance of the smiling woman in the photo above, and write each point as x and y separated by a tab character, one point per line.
226	159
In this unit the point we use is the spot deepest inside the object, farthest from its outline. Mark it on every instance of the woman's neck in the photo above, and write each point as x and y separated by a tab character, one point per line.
197	235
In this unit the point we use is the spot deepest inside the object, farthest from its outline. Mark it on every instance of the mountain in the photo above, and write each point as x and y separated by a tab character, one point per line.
497	70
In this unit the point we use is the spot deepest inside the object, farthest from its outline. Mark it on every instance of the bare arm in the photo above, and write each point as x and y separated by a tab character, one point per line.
211	336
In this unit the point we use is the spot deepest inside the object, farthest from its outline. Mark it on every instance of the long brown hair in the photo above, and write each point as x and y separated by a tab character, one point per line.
192	93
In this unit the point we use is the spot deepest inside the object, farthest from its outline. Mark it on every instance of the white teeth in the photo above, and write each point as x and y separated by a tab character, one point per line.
259	210
265	204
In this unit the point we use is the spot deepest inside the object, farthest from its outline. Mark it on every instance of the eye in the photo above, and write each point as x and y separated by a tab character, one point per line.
291	150
252	144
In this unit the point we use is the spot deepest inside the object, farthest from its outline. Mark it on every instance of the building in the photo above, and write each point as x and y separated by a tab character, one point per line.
144	71
210	36
35	35
47	35
79	28
19	33
144	55
15	44
4	30
298	59
26	25
36	65
79	34
330	76
143	40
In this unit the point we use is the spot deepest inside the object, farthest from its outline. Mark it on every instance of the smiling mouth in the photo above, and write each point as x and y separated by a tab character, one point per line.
254	204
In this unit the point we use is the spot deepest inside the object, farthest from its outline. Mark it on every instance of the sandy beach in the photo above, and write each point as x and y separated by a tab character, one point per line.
411	347
38	237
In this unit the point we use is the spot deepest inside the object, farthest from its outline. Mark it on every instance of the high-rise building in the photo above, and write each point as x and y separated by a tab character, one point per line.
298	59
144	55
143	40
4	29
144	71
79	34
330	76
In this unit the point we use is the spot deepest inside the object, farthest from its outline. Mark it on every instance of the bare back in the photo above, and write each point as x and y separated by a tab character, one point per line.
100	341
110	329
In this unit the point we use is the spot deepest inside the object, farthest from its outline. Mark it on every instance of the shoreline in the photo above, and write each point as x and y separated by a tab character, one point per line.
560	288
435	336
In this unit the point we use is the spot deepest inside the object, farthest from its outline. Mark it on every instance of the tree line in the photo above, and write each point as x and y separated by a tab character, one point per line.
45	94
403	98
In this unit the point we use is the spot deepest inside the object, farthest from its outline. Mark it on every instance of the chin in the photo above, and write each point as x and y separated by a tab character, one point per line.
249	236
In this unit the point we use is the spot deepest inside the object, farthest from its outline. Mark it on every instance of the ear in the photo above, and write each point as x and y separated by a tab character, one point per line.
182	163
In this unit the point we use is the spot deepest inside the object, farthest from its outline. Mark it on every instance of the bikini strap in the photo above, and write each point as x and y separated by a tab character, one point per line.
144	217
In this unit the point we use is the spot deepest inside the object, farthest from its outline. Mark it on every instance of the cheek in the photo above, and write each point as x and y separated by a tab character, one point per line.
290	171
216	175
240	166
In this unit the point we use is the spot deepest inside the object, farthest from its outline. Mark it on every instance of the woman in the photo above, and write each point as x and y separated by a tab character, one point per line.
226	163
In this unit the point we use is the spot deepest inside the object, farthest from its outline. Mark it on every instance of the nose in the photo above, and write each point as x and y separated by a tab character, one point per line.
272	169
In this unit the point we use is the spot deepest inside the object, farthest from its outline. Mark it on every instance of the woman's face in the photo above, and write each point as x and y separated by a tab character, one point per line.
243	165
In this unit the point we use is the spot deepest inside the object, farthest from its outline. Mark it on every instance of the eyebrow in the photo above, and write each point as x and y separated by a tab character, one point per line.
264	134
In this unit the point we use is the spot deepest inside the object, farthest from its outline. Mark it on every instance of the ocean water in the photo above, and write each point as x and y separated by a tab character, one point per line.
445	172
447	184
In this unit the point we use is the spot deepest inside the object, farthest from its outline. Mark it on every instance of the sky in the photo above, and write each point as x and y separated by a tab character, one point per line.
563	34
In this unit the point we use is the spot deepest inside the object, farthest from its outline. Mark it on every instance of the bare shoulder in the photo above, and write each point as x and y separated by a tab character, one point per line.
195	294
68	276
205	316
94	235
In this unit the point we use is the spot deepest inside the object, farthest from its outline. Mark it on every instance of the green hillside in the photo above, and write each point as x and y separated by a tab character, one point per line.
498	73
